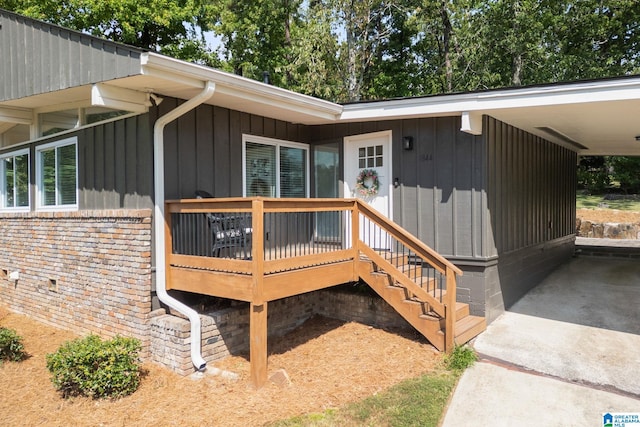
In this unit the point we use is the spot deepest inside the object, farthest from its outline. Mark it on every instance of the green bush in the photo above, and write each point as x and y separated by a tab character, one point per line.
95	368
11	347
460	358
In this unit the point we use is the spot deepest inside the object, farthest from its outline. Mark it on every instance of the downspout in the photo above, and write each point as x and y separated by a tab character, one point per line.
159	221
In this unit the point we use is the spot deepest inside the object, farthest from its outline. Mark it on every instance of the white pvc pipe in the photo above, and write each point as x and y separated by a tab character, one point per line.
159	221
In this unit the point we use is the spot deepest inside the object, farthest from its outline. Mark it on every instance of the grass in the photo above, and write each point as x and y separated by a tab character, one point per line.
597	201
415	402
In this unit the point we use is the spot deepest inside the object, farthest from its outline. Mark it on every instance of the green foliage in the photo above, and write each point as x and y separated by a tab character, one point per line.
593	174
415	402
370	49
626	171
92	367
598	174
11	347
460	358
619	202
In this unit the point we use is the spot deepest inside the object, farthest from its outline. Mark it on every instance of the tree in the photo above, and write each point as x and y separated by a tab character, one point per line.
256	37
626	171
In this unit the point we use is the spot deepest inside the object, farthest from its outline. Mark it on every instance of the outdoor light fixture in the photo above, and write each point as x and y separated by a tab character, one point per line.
637	137
407	143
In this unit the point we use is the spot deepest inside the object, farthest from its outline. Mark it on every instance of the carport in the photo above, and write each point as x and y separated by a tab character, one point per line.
565	353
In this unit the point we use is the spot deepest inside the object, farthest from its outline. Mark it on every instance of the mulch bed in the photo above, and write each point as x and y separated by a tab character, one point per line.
330	363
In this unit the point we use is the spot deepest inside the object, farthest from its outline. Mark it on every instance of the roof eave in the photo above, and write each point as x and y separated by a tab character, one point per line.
239	87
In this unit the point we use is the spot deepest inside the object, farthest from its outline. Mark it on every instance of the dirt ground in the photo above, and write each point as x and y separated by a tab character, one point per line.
608	215
330	363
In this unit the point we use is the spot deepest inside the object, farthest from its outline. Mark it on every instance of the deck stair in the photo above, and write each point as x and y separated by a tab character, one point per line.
286	260
413	306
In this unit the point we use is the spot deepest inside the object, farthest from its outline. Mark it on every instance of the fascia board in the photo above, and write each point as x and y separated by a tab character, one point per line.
452	105
239	87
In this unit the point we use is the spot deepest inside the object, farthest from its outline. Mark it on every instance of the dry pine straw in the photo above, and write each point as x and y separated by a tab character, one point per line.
330	363
608	215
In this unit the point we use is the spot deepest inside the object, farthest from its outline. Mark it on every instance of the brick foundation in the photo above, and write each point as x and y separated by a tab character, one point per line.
87	271
226	332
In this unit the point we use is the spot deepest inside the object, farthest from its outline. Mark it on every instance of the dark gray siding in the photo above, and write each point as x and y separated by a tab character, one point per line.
39	57
115	165
531	188
440	194
203	148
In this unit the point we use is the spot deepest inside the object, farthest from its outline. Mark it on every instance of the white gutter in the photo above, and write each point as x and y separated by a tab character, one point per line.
159	220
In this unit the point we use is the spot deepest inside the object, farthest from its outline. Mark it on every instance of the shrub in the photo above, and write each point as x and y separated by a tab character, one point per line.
460	358
11	347
95	368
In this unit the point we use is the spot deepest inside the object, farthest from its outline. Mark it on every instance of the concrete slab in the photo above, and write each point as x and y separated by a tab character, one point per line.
582	324
564	354
489	395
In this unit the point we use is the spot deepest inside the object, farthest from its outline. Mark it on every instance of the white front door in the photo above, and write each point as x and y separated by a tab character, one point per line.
364	154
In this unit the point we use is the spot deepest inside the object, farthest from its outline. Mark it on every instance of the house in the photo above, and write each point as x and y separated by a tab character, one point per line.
104	146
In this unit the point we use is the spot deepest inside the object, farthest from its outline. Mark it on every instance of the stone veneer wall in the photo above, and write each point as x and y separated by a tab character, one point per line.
87	271
607	230
226	332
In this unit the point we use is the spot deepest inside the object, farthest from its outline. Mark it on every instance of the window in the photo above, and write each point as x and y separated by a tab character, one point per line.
274	168
14	180
57	178
370	157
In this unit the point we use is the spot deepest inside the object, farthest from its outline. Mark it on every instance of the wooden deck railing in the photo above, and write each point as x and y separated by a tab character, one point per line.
276	248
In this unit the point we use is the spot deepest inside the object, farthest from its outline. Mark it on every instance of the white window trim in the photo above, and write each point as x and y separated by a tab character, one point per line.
39	178
2	183
277	143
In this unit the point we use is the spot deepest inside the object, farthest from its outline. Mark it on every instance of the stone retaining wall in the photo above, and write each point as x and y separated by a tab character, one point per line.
586	228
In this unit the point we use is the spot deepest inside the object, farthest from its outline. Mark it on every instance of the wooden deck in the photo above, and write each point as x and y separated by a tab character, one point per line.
288	257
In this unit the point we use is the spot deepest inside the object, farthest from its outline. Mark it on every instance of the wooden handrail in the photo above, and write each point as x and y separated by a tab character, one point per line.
259	281
432	257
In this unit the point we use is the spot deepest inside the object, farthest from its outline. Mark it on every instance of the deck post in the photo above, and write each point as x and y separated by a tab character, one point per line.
168	246
258	344
258	307
450	310
355	239
257	250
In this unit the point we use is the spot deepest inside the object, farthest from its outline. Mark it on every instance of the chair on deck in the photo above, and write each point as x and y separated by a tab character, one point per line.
230	232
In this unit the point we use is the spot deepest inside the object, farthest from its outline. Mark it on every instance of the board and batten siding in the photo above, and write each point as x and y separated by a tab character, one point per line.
439	196
531	188
115	164
203	148
38	57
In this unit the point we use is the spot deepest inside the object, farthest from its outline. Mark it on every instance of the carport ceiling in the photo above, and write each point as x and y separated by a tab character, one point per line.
598	117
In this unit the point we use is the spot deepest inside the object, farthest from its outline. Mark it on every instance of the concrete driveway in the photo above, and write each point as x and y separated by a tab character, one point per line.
563	355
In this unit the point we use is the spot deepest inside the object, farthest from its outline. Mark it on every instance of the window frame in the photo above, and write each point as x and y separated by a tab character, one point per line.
55	145
277	143
13	155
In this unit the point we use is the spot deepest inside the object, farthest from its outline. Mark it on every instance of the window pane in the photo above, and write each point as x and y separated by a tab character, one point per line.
66	165
48	164
293	167
22	180
260	170
8	176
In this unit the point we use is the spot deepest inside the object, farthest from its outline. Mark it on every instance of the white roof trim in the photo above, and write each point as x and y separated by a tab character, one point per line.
229	84
485	102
